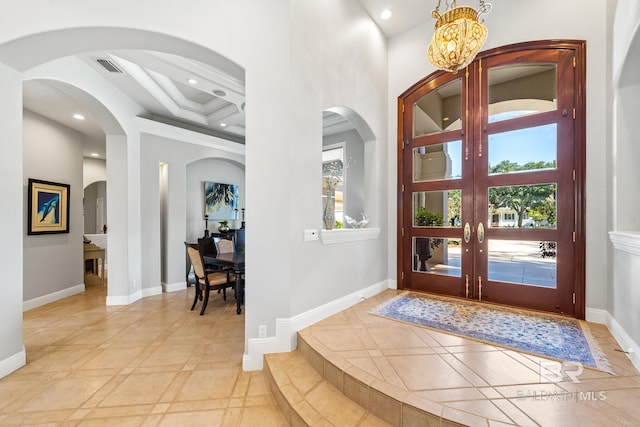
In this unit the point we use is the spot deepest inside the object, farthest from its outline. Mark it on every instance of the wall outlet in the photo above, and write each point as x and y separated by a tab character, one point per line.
310	235
262	331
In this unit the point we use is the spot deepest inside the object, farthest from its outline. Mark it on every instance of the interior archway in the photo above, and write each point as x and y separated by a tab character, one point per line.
27	55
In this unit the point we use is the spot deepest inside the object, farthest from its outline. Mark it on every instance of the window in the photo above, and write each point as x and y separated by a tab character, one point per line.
333	184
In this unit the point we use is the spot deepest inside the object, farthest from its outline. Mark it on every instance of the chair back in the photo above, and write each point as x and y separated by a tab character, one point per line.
207	247
196	261
238	240
224	246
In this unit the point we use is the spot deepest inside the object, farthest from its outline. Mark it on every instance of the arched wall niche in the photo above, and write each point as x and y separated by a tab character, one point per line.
210	169
626	149
344	127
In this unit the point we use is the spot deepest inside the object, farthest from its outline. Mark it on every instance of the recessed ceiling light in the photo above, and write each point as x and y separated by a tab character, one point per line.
94	155
192	81
386	14
219	92
78	116
446	119
223	125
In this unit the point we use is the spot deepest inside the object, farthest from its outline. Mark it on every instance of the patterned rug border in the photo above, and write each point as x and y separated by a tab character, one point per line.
597	353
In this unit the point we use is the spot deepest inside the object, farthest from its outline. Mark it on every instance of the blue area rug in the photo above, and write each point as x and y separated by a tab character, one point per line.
551	336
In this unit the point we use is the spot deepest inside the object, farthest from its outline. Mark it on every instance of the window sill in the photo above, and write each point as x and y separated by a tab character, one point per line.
344	235
628	241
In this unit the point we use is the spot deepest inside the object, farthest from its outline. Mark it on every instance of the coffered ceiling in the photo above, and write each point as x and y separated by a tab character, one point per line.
181	91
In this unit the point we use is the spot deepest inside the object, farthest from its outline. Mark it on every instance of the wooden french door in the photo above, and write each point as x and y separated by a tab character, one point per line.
491	170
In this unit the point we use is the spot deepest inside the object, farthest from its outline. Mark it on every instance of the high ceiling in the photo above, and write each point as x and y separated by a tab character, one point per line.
182	91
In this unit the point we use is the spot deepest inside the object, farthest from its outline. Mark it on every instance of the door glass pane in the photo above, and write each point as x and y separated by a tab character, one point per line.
436	256
520	90
523	206
523	262
523	150
437	208
438	161
439	110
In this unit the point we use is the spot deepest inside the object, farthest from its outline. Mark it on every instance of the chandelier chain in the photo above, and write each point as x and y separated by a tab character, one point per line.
451	4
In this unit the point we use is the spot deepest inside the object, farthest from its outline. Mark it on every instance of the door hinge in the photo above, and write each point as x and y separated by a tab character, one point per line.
574	237
403	104
402	275
402	231
574	297
574	174
403	188
574	62
574	114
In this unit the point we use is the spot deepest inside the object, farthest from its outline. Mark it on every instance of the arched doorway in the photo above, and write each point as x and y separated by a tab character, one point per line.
491	179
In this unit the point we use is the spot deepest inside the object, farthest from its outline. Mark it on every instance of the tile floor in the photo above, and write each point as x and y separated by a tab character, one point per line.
470	382
157	363
151	363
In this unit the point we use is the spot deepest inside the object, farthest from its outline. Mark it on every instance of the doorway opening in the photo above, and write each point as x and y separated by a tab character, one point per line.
492	179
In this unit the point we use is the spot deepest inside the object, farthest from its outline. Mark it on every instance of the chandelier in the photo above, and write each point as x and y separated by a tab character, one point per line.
458	37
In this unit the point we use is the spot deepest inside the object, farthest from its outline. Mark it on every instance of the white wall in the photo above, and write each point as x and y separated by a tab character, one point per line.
338	38
624	307
513	22
53	152
12	354
93	170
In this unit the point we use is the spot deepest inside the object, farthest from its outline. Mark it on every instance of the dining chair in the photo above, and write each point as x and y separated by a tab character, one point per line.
238	240
205	282
224	246
207	247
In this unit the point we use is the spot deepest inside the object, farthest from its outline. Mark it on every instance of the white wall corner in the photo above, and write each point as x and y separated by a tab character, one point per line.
174	287
54	296
124	299
13	363
286	329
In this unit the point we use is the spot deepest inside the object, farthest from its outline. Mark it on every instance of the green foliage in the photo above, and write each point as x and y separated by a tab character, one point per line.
537	200
454	205
428	218
338	224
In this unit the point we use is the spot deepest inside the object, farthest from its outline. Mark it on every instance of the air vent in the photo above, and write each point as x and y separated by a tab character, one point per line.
109	66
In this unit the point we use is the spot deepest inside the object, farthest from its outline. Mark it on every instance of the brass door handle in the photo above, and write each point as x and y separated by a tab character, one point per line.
480	233
467	232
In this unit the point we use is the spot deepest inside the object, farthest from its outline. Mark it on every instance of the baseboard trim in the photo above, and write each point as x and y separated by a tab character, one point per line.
597	315
626	342
286	329
149	292
124	299
13	363
54	296
174	287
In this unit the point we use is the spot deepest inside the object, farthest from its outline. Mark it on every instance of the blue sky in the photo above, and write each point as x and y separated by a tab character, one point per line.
519	146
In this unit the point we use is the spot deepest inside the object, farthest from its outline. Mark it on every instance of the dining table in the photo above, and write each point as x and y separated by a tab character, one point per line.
235	261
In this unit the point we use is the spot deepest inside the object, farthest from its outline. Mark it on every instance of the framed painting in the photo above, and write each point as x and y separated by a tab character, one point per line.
220	201
48	207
